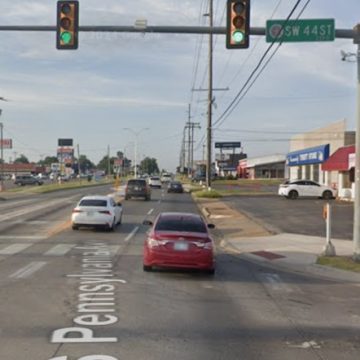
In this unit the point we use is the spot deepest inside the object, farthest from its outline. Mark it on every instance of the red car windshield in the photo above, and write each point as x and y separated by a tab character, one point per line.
186	224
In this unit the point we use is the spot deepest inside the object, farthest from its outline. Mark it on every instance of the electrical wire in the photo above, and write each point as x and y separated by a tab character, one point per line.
234	103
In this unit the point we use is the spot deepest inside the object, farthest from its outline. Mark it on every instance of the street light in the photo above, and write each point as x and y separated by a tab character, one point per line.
136	133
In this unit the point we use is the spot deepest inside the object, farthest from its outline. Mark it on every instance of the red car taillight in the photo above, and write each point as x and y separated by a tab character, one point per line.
154	242
207	244
76	211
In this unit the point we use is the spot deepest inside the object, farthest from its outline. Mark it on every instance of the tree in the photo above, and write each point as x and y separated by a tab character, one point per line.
85	164
48	161
22	159
104	164
149	166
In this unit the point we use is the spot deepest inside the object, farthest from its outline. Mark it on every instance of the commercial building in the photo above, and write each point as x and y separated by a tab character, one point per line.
264	167
309	152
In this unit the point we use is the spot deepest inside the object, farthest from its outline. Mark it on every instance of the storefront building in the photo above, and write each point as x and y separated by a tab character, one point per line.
341	162
310	150
264	167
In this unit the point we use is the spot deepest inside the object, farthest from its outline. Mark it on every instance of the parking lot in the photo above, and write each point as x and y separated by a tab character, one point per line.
301	216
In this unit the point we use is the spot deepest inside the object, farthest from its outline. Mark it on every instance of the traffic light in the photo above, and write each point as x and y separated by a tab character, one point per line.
67	28
238	24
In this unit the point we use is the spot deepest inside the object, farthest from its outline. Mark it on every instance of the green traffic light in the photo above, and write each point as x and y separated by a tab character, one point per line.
66	37
238	36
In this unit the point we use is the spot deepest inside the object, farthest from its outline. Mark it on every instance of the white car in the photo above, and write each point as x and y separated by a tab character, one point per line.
155	182
97	211
166	178
307	188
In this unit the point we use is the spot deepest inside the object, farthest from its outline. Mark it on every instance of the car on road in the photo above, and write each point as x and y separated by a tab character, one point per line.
165	178
155	182
175	187
97	211
137	188
22	180
305	188
179	240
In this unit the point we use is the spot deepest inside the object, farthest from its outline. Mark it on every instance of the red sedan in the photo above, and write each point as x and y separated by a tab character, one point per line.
179	240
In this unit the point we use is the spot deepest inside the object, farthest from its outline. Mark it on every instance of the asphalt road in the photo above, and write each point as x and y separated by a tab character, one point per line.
83	295
301	216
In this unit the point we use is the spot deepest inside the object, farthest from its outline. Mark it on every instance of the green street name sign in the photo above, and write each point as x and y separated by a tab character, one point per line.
300	30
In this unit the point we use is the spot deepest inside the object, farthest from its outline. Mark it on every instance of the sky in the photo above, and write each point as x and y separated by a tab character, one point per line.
117	85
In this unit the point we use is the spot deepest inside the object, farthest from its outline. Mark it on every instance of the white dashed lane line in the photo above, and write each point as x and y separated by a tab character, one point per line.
150	211
133	232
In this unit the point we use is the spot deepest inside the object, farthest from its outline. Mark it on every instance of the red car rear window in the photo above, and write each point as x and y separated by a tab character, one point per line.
186	224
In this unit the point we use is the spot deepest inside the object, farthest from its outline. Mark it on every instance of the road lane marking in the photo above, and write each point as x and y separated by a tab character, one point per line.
23	237
28	270
150	211
133	232
59	250
13	249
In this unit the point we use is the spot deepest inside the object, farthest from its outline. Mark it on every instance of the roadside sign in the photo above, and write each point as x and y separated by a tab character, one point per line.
227	145
300	30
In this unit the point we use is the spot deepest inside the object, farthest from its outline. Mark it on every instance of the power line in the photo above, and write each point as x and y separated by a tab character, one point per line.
235	101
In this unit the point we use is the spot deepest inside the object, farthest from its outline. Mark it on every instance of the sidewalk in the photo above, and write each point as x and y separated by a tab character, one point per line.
249	239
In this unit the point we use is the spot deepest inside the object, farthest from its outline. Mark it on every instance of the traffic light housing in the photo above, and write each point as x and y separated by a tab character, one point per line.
67	27
238	24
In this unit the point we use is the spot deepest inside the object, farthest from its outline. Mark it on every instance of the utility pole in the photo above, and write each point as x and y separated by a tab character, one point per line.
210	96
356	231
78	156
191	126
108	154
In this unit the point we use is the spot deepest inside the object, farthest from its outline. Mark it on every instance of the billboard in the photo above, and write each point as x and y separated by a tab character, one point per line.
65	155
6	144
227	145
65	142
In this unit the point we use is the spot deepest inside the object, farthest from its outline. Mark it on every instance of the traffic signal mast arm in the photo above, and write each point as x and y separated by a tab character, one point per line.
216	30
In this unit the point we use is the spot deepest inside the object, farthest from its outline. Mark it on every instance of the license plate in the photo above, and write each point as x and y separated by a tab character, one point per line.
181	246
90	213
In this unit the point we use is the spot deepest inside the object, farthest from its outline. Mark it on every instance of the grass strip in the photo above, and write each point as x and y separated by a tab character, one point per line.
339	262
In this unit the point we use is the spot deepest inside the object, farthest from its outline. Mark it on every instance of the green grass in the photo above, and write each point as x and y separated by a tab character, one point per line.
56	187
208	194
339	262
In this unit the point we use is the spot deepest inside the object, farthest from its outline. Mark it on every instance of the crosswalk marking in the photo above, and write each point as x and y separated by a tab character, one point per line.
59	250
22	237
28	270
14	248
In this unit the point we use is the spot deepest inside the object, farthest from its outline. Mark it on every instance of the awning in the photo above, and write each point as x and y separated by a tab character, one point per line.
339	160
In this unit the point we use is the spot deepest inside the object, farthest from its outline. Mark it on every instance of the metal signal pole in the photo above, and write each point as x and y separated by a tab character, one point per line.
356	232
210	96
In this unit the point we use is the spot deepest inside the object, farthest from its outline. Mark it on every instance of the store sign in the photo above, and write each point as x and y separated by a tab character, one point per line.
315	155
6	144
227	145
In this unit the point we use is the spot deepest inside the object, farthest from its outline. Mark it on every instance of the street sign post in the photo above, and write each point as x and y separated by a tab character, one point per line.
300	30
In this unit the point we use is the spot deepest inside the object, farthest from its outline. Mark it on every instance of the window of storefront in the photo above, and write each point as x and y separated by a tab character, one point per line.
307	172
316	168
299	172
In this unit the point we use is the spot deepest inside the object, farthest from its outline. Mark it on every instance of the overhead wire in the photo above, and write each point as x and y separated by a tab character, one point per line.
234	103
